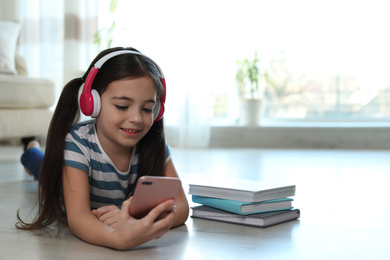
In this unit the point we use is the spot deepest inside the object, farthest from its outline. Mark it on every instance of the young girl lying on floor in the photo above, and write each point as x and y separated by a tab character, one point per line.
89	170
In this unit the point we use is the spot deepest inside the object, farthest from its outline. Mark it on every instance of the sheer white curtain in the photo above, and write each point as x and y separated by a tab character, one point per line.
172	38
57	38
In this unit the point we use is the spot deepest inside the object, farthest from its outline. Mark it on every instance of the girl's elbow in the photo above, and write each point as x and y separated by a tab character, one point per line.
186	213
181	215
72	226
73	222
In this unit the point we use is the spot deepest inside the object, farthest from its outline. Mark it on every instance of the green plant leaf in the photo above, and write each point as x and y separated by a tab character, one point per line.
113	5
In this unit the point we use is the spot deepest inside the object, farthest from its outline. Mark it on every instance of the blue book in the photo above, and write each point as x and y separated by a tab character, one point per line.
244	208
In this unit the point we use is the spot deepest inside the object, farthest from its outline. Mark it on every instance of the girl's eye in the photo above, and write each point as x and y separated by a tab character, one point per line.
148	110
121	107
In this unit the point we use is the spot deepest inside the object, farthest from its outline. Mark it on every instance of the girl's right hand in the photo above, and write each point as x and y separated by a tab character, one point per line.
107	214
130	232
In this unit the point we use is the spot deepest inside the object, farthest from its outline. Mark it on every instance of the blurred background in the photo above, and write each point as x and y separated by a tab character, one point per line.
294	65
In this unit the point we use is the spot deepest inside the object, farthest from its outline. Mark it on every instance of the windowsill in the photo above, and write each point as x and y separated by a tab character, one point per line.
304	123
304	136
299	135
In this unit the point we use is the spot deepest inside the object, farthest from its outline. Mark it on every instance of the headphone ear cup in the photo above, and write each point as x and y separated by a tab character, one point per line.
87	98
160	105
86	103
162	110
158	111
96	103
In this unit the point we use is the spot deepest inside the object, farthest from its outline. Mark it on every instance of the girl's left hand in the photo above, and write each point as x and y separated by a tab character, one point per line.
107	214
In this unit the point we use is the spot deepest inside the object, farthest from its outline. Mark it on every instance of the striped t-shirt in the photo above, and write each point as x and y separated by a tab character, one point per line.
108	185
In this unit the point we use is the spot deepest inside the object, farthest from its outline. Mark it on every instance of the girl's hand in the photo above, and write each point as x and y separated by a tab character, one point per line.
107	214
130	232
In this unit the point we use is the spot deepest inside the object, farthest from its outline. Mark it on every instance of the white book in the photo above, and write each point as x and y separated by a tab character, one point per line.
247	191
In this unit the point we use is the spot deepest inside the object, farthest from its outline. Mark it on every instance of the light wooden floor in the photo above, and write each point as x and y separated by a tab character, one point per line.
344	197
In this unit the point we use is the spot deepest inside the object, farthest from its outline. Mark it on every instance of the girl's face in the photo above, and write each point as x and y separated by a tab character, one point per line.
126	113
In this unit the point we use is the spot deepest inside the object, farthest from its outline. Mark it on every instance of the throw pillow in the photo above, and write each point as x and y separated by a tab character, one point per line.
9	33
20	65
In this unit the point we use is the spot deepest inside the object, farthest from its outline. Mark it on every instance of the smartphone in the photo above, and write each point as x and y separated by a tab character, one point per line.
151	191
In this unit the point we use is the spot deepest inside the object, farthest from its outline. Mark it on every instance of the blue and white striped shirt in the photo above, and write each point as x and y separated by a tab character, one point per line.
108	185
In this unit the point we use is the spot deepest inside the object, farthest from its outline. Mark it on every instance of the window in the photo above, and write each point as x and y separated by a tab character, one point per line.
328	60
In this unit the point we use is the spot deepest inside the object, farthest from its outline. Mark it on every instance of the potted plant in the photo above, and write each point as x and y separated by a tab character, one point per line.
250	85
103	38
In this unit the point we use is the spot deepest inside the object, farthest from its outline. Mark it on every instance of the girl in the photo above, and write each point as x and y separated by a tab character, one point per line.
90	169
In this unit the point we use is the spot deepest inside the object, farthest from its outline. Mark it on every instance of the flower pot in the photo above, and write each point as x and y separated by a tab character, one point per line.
250	112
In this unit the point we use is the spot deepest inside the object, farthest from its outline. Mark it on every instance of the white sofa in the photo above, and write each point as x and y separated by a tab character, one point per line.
25	102
25	106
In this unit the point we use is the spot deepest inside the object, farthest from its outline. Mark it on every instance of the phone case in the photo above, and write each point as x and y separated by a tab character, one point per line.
151	191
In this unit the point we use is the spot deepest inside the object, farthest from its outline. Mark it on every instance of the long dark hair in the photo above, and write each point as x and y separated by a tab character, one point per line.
151	148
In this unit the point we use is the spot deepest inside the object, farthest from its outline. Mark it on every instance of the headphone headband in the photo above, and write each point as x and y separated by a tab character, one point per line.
105	58
90	99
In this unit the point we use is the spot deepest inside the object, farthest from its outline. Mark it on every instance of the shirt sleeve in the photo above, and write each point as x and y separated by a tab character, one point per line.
74	156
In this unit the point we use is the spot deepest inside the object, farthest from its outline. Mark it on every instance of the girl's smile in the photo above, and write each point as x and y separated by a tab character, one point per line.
131	132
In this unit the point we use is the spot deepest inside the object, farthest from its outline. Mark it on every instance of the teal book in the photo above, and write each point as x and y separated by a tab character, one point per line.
244	208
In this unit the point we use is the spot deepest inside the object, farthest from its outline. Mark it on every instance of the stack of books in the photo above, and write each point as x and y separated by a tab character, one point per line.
261	207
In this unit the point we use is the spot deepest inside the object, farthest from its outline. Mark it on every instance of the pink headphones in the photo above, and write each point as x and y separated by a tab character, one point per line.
90	98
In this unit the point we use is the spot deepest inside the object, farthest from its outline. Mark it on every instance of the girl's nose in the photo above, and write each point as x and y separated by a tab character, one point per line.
135	116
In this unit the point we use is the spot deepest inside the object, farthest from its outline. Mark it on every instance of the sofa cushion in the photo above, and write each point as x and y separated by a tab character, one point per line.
9	33
25	92
16	123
